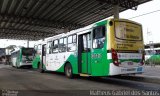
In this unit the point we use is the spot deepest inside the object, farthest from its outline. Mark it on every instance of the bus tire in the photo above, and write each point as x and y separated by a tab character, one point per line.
68	70
40	69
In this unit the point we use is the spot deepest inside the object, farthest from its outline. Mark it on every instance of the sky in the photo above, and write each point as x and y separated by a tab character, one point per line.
150	23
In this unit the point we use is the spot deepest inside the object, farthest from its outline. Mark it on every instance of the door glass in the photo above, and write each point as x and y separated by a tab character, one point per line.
86	52
45	50
84	42
87	41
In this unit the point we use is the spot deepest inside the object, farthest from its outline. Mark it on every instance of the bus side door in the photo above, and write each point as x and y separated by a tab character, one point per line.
44	54
84	53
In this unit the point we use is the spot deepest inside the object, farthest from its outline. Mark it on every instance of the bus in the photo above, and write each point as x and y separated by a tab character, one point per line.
22	57
152	56
107	48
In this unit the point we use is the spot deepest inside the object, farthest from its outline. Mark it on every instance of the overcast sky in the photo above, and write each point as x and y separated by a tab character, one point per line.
149	22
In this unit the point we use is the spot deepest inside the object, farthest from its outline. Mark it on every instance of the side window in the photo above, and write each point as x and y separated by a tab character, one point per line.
69	39
65	41
55	46
62	44
72	41
74	38
49	47
99	37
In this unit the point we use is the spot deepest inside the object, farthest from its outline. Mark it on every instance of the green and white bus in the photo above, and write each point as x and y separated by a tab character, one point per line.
152	56
110	47
22	57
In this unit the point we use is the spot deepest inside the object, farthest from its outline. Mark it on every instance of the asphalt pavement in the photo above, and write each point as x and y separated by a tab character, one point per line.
29	82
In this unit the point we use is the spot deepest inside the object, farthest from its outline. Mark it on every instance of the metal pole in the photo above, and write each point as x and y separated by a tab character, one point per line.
27	43
116	11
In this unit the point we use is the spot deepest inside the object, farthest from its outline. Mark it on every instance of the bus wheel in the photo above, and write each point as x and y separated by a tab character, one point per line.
40	69
68	70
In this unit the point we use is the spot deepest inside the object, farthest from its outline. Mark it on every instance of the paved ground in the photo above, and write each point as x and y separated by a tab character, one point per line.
33	83
152	71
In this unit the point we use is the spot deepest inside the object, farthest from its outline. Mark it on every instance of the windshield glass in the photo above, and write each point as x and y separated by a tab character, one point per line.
27	51
128	31
98	37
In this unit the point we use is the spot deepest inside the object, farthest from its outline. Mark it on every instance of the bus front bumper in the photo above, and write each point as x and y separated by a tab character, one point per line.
26	63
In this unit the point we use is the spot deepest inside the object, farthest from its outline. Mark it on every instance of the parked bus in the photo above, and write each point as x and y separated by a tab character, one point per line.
22	57
152	56
110	47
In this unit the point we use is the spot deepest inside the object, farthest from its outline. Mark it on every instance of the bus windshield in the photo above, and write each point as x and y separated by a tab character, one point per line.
98	37
128	31
27	51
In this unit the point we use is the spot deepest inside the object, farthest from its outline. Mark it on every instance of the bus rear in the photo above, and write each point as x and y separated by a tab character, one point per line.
27	56
125	47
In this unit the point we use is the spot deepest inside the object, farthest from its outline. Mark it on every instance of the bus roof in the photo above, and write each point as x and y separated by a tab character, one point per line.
87	28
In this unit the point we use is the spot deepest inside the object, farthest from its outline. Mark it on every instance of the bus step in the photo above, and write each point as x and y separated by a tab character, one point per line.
84	75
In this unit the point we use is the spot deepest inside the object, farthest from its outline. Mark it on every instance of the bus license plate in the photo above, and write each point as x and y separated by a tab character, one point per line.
139	69
132	69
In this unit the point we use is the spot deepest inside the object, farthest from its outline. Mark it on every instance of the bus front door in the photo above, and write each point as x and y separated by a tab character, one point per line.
84	53
43	54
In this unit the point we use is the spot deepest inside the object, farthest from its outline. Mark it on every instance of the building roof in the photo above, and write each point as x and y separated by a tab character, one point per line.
37	19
